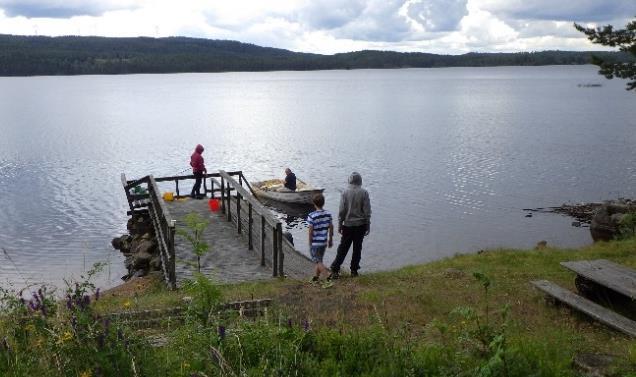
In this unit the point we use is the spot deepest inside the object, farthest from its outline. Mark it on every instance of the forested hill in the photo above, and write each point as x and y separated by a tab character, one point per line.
36	55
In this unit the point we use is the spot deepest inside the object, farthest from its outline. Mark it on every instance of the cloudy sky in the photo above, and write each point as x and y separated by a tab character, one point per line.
329	26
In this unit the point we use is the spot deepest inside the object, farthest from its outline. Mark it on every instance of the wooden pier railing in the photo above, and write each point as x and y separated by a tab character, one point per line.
263	231
162	222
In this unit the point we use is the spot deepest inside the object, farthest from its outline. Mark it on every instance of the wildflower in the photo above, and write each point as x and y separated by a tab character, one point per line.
222	332
65	337
30	327
69	302
97	294
86	373
305	325
289	323
127	304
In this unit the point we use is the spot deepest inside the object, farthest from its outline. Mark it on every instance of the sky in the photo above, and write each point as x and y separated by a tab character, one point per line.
330	26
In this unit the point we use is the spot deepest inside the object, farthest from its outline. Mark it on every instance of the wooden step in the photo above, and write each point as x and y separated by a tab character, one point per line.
592	309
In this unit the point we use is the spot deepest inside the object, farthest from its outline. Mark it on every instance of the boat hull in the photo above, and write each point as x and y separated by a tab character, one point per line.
302	196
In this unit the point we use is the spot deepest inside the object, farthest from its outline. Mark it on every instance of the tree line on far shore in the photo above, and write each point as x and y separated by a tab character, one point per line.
73	55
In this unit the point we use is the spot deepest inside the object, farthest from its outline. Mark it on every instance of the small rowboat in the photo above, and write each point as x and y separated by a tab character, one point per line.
274	189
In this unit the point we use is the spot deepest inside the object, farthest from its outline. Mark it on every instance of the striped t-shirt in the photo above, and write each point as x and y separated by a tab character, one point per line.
320	220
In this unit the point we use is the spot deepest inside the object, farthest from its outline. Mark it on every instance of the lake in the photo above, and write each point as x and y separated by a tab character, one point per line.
450	156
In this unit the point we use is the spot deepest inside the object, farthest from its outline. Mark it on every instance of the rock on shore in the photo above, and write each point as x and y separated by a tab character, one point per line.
139	246
605	224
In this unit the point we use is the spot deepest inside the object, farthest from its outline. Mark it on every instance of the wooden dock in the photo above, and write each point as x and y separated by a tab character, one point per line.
246	241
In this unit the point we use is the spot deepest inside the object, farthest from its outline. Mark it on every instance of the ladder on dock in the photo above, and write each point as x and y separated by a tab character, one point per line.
604	273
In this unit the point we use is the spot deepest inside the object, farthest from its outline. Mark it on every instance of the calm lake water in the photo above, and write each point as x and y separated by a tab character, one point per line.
450	156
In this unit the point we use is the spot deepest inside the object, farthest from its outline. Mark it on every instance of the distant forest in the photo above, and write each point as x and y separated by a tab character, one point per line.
37	55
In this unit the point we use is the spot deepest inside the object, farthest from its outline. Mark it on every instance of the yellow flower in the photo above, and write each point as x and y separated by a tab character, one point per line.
127	304
39	342
30	327
86	373
65	337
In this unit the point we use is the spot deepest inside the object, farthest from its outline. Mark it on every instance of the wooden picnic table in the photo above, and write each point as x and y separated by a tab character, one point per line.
608	274
602	273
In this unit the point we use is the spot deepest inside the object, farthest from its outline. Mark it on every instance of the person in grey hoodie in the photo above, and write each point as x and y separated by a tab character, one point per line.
354	222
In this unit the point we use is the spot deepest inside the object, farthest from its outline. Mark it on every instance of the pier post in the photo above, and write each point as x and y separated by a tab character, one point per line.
250	243
176	182
238	213
281	255
229	198
262	240
274	252
222	195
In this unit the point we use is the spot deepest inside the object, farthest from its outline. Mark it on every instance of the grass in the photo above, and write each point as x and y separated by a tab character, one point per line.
430	319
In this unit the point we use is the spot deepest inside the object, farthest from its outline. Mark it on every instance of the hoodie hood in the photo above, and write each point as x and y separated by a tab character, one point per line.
355	179
199	148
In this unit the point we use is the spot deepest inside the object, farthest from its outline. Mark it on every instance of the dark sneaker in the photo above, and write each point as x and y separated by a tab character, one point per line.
333	276
354	274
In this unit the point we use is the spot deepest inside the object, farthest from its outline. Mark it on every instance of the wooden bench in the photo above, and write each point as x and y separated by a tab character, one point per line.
608	274
595	311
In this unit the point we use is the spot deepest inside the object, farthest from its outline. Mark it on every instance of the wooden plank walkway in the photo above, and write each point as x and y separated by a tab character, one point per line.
229	259
595	311
609	274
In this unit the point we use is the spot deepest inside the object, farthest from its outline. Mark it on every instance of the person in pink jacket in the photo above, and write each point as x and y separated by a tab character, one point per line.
198	169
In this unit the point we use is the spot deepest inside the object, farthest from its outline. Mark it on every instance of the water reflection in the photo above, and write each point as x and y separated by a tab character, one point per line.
293	216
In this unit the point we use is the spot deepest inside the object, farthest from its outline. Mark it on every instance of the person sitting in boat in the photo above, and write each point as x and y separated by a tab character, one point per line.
290	180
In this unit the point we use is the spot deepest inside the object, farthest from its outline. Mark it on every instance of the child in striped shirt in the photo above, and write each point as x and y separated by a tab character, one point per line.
320	234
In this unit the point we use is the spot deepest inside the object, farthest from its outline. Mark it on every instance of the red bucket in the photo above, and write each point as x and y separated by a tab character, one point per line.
214	205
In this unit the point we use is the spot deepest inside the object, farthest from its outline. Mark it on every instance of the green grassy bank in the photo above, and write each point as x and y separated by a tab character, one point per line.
470	315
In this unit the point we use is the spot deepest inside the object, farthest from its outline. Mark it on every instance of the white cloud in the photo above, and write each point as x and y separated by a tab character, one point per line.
437	15
64	8
328	26
561	10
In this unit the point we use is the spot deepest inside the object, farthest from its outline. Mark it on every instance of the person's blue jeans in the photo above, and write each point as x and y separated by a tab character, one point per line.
198	175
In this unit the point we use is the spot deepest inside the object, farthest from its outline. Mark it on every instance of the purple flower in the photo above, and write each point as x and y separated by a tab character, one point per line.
305	325
289	323
222	332
69	302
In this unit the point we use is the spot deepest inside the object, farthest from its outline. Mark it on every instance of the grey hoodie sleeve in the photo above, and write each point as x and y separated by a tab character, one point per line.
366	207
342	211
